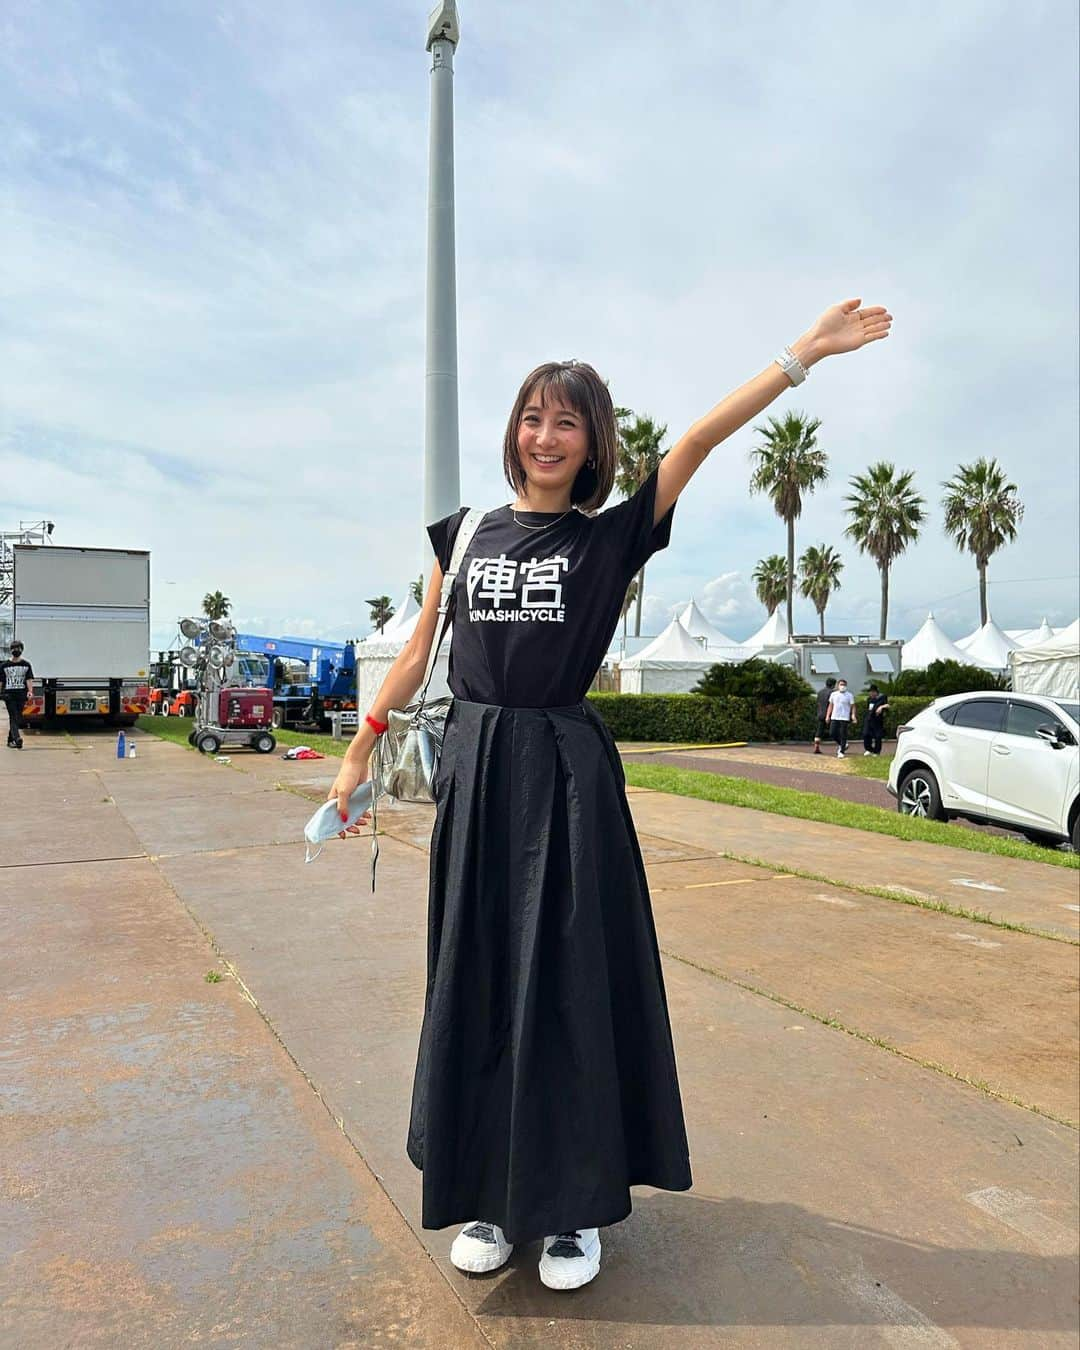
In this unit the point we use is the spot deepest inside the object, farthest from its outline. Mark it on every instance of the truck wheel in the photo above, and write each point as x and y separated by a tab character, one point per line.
264	743
182	710
919	795
164	710
191	738
277	718
208	743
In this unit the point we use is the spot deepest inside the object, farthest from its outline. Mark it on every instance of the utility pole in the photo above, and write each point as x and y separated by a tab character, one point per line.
442	484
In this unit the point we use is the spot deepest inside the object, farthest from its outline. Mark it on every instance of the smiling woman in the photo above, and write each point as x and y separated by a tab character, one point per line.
546	1084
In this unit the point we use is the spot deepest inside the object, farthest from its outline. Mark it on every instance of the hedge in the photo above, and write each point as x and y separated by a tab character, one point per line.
699	718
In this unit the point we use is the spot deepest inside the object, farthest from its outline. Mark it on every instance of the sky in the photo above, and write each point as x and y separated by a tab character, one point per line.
212	278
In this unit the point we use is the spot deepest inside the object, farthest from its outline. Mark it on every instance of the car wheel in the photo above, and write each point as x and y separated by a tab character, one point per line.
191	738
182	710
164	710
1076	834
264	743
208	744
919	795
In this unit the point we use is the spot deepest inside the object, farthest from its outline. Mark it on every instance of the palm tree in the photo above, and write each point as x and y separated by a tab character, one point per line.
886	514
819	576
982	512
382	611
789	464
417	589
639	454
770	579
216	606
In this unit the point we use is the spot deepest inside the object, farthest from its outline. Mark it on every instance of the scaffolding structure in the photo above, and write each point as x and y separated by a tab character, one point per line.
29	532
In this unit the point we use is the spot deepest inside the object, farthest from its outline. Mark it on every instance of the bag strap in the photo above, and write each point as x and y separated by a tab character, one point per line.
468	527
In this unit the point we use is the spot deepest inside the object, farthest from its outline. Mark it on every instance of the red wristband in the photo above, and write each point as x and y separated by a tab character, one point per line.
377	727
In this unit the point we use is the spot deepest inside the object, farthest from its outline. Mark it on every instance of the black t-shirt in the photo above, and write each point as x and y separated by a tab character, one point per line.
535	609
823	703
873	704
14	674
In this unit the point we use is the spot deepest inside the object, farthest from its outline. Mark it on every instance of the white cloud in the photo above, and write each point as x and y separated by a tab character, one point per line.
215	250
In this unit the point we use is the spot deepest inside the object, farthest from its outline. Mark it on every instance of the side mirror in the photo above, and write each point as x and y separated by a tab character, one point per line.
1054	734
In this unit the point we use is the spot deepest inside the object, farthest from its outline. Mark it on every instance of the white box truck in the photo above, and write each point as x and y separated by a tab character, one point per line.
83	616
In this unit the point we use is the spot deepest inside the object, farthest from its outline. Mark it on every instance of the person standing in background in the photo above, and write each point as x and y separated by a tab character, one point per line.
874	721
823	713
840	712
16	685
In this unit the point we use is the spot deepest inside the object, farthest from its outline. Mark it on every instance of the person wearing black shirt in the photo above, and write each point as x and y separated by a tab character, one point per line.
874	721
545	1083
821	730
16	685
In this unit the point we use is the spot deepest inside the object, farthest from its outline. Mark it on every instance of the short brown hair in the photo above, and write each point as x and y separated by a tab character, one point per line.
582	389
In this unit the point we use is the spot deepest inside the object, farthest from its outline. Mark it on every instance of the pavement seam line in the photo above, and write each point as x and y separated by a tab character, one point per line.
339	1121
879	1041
882	892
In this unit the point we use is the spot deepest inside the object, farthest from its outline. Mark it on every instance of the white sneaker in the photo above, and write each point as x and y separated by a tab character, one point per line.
480	1247
867	752
840	754
570	1259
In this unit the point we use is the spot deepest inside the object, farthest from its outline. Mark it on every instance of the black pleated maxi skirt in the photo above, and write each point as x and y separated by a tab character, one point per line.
545	1081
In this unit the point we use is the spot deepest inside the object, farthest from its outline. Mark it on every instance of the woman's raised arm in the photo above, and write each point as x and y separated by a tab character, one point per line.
842	328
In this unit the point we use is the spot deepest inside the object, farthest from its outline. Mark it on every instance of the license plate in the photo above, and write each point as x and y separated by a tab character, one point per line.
83	705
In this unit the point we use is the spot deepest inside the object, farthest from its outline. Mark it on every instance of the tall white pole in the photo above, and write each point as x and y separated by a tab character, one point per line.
442	487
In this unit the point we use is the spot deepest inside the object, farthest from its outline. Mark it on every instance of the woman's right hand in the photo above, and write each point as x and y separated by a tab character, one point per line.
350	776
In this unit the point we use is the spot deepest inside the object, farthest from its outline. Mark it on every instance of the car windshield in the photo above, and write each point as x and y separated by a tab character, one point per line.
1072	709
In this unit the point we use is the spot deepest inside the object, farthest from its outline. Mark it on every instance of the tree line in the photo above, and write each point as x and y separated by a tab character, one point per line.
886	514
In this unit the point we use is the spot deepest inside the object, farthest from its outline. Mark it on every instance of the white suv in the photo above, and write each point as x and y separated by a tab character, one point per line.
1009	759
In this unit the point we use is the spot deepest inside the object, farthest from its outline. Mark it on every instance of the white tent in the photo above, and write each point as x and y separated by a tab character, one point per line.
671	664
772	633
697	625
989	647
965	642
1033	637
400	625
1052	668
930	644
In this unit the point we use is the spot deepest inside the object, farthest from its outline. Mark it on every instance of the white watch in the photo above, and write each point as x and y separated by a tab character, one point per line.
792	367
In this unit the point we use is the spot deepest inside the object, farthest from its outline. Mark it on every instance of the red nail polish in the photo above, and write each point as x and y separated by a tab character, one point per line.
344	816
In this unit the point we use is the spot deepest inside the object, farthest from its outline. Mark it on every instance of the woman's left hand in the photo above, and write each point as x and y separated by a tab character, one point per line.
848	326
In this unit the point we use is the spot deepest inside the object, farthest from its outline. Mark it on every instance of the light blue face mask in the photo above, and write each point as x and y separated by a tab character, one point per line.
326	823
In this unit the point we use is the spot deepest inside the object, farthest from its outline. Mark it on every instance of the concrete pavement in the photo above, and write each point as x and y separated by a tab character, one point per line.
847	1192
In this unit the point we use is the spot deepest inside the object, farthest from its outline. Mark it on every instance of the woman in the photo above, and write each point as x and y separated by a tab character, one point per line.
545	1082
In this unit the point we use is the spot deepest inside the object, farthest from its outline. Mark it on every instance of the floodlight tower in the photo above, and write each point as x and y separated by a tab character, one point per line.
442	487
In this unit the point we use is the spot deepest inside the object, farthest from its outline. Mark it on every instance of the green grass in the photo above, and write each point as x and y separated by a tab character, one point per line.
781	801
711	787
871	766
178	729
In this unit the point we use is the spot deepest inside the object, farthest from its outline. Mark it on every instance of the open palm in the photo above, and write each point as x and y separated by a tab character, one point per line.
847	327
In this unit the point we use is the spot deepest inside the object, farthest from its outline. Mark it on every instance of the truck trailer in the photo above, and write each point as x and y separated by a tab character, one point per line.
83	616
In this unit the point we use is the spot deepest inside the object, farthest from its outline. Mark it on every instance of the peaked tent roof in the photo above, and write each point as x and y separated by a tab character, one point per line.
990	647
674	646
772	633
697	625
930	643
1034	637
400	626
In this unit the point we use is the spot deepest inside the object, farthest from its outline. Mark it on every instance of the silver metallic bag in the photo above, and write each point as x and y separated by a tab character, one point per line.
406	755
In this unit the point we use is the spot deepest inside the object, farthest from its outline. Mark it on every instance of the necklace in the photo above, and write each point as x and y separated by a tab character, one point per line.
547	524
